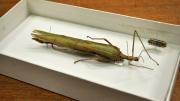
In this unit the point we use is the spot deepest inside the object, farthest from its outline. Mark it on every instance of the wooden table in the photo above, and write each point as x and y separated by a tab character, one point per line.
160	10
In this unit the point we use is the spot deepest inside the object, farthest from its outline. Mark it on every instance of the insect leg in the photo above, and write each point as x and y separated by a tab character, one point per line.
143	51
100	39
141	58
97	57
133	44
52	45
92	58
136	33
47	45
141	66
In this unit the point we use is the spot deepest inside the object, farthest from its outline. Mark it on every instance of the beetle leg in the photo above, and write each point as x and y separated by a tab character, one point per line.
100	39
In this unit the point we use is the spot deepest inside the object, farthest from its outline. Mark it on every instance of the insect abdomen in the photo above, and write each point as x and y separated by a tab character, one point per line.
105	50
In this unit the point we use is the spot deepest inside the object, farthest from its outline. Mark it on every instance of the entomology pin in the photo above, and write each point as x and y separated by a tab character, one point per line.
157	42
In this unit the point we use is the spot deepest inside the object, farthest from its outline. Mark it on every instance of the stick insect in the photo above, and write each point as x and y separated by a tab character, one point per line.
101	52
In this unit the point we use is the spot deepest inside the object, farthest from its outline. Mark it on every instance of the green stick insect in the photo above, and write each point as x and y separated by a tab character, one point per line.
101	52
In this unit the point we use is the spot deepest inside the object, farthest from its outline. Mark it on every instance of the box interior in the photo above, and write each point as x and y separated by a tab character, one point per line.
154	84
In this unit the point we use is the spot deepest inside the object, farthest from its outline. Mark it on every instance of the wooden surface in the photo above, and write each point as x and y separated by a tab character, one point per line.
160	10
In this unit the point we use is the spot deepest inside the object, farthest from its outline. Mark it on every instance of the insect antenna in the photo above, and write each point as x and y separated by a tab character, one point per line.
136	33
133	52
140	53
139	56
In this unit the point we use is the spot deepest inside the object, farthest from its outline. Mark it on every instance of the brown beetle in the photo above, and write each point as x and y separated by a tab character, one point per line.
157	42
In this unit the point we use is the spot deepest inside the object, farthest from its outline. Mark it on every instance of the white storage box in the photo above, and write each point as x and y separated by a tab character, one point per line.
24	59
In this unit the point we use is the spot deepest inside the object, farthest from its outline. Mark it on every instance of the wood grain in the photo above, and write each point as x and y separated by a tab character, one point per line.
160	10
